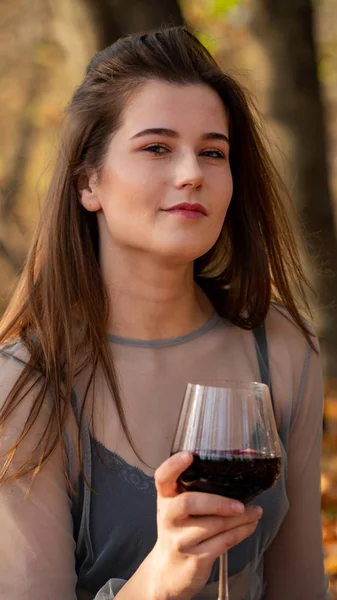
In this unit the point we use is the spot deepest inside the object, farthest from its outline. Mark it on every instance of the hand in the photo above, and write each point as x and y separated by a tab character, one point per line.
194	528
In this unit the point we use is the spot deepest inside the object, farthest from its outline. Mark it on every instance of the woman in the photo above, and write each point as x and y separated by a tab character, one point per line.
162	249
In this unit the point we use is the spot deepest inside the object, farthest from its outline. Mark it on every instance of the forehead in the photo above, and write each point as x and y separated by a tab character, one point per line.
162	104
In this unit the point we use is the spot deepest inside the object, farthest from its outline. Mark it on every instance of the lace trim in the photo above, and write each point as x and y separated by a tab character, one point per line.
128	473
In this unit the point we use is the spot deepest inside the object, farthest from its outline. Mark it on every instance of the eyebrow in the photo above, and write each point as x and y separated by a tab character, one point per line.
211	135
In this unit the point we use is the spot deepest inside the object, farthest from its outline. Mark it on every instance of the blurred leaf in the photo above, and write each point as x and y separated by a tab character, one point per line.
209	42
330	513
47	54
326	70
330	564
220	7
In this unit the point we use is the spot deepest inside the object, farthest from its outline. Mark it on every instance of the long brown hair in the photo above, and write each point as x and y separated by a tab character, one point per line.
254	261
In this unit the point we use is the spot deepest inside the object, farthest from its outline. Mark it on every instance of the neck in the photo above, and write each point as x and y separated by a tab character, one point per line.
149	300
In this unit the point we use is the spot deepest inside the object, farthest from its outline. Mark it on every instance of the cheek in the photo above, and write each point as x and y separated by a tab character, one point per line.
126	206
224	192
129	187
117	194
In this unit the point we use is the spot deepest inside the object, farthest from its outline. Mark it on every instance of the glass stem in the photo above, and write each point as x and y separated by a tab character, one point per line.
223	577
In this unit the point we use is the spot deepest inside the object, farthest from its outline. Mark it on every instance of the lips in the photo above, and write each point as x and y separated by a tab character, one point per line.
186	206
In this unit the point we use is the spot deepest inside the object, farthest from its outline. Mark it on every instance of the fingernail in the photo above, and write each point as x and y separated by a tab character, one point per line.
258	511
238	507
184	457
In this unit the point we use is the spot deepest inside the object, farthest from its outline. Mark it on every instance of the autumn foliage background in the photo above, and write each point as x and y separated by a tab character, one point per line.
283	51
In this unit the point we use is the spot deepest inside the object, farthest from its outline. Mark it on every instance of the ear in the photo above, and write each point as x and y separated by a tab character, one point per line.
87	189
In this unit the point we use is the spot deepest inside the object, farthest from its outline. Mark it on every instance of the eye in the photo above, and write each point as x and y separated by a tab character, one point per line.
156	149
213	154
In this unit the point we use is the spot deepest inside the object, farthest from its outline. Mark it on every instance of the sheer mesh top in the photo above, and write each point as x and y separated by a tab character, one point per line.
56	546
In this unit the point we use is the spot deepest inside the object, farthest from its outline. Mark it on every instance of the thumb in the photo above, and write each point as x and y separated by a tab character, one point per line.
167	474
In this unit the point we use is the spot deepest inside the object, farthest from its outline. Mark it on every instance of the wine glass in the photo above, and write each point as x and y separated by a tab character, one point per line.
229	427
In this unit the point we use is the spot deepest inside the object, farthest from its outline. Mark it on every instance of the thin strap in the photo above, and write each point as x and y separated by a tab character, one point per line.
82	502
262	356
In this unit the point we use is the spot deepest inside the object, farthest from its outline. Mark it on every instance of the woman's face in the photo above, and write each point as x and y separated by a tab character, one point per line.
171	149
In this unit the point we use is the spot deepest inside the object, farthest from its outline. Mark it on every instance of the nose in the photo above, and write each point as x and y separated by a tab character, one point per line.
189	172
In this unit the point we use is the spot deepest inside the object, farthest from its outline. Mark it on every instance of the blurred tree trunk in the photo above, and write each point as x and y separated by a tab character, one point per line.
119	17
285	28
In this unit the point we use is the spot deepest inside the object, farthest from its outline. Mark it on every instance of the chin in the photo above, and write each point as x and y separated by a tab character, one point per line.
184	253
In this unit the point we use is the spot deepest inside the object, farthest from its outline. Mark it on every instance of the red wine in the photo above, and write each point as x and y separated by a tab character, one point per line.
237	474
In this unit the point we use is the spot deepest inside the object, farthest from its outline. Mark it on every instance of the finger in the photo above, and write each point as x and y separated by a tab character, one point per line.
224	541
198	529
200	503
167	474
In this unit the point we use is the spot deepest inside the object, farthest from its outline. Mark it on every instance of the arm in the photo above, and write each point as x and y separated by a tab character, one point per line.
294	561
37	548
36	541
